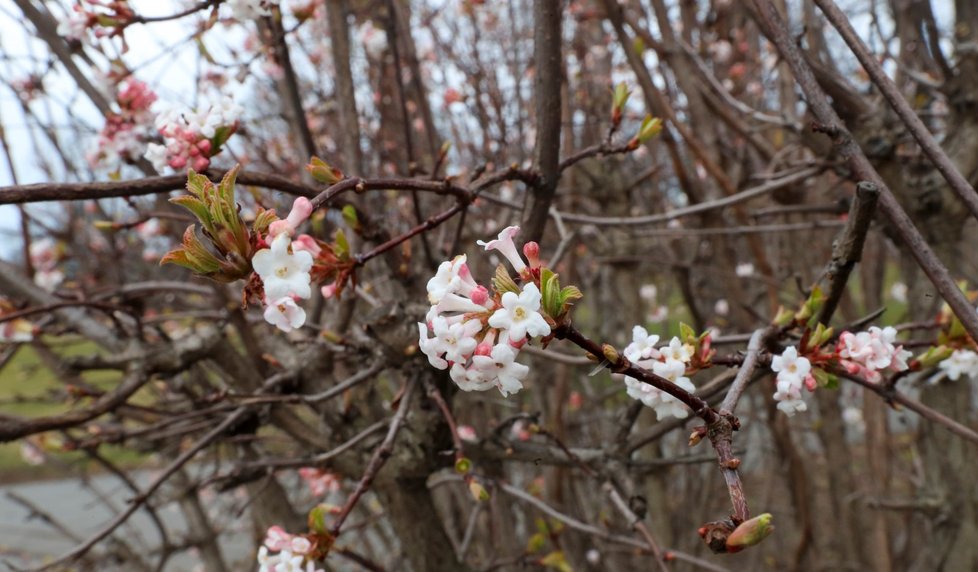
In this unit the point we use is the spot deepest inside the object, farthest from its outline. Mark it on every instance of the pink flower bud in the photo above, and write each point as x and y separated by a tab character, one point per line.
307	243
205	146
532	252
479	295
483	349
178	162
201	163
329	291
301	209
810	382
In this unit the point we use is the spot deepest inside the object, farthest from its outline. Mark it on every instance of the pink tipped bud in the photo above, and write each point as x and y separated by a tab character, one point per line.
810	382
178	162
307	243
483	349
479	295
329	291
205	146
532	252
201	163
301	209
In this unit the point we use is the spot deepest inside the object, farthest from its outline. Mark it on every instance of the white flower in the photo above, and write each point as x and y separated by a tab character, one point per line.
430	346
899	292
446	280
283	274
500	364
75	27
49	279
790	366
456	340
471	378
961	362
722	307
744	270
648	292
505	245
519	315
243	10
642	346
792	406
676	350
853	416
665	405
289	562
285	314
266	563
374	40
455	303
300	545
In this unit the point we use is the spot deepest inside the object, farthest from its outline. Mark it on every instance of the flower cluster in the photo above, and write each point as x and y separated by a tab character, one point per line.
103	17
868	353
284	269
319	481
45	255
244	10
477	336
124	136
191	139
794	372
669	362
961	362
292	550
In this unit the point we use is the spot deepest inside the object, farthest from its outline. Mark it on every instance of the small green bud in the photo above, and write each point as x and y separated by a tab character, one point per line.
750	532
323	172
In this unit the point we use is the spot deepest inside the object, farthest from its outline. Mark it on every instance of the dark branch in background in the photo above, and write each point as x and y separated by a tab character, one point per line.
292	106
848	248
380	457
829	121
549	71
143	497
892	94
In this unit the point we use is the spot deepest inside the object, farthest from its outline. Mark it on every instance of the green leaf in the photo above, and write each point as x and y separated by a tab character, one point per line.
350	217
536	543
567	296
687	334
502	282
195	206
317	519
556	559
342	249
550	291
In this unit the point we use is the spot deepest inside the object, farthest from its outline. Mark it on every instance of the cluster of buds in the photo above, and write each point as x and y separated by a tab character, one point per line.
292	550
191	139
215	208
476	334
319	481
45	255
124	136
669	362
105	18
